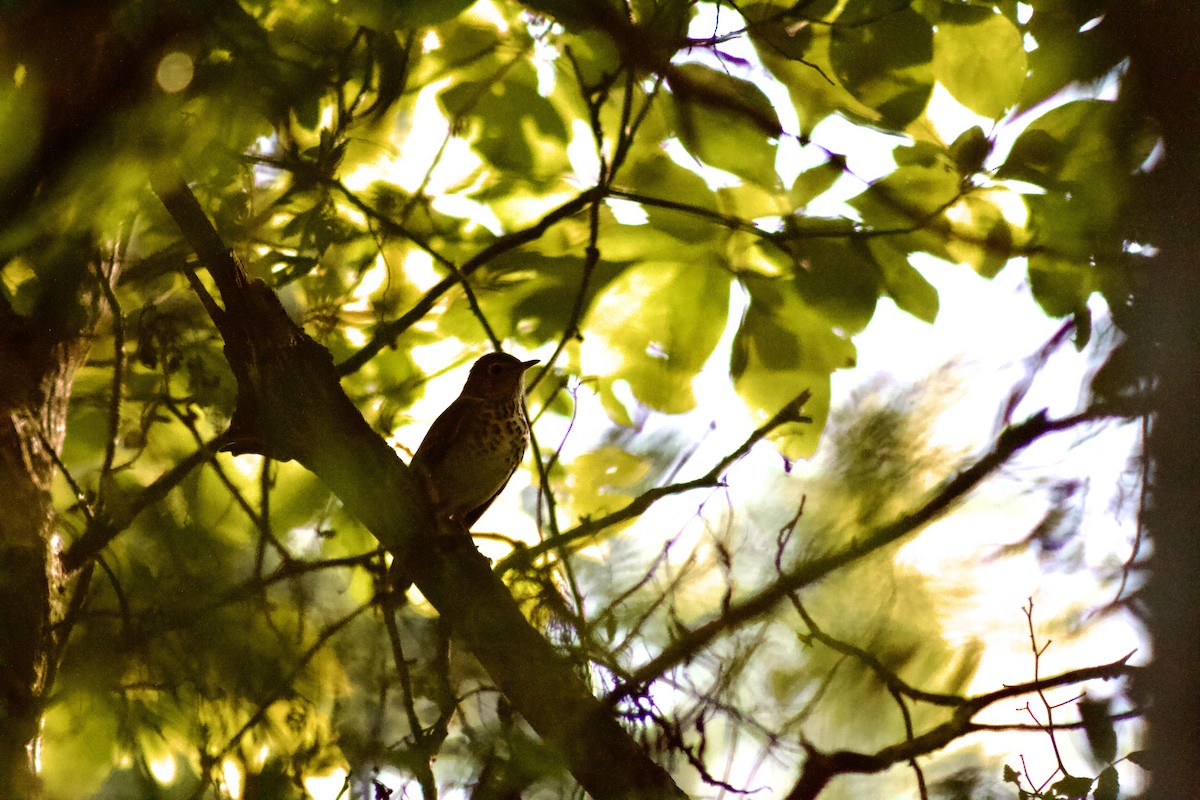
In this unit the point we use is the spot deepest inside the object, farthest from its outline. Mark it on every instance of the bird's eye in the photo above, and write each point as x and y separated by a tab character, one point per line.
495	369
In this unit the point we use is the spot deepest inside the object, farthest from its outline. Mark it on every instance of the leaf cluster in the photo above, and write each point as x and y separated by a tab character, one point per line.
601	182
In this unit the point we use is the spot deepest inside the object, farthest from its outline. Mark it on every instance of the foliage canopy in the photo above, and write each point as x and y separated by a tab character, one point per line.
634	191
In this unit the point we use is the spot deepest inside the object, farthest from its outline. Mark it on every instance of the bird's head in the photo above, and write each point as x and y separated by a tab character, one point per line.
497	375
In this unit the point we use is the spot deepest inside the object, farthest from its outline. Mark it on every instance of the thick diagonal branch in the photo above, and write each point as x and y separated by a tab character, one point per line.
940	500
291	406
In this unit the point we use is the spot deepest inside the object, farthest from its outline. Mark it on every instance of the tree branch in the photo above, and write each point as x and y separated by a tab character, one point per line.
790	413
821	767
386	333
290	405
890	679
115	515
1012	440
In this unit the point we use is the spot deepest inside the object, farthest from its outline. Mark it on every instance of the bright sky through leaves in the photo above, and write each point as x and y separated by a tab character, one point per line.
913	215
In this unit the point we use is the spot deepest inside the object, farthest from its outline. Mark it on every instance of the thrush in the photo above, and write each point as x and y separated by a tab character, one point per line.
477	443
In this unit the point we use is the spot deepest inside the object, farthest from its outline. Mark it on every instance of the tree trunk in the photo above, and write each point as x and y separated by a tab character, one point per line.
1165	58
40	354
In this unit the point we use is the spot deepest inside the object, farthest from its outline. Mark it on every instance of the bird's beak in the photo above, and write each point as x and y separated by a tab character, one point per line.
527	364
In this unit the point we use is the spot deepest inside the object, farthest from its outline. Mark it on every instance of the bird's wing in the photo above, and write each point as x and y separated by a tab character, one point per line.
442	433
474	514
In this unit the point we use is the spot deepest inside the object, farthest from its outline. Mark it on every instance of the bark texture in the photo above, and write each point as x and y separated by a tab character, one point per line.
40	353
290	405
1165	77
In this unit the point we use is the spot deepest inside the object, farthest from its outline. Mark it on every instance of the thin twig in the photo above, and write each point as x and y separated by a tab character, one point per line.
790	413
821	767
386	333
118	336
421	743
1011	441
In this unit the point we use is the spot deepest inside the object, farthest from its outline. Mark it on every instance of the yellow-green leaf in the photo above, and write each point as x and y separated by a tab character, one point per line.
726	122
783	347
655	326
981	61
881	54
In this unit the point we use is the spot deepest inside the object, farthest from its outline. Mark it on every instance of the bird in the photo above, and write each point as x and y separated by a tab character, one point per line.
475	445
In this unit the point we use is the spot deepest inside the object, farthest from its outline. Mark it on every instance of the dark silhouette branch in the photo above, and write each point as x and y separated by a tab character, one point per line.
789	414
821	767
1012	440
425	743
290	405
890	679
386	333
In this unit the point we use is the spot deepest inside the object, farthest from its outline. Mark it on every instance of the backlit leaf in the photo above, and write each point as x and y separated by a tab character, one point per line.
658	177
387	14
979	57
1108	785
970	150
837	277
881	53
601	481
1072	787
657	324
904	282
783	347
726	122
813	182
780	32
506	120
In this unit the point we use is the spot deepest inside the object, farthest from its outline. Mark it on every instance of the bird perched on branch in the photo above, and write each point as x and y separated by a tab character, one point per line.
477	443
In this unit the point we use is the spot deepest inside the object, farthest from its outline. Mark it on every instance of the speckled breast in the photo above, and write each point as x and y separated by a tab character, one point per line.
489	449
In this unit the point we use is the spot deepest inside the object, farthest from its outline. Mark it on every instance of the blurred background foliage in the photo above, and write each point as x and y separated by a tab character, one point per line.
612	187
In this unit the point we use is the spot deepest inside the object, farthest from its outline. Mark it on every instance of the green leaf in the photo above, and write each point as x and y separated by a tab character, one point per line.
1011	775
726	122
1067	54
909	196
663	22
771	27
1072	788
1108	785
595	56
981	235
782	347
659	323
813	182
919	153
970	150
839	278
749	201
661	178
573	15
502	119
881	53
1034	157
979	57
904	283
1060	288
602	481
1087	148
527	296
384	15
